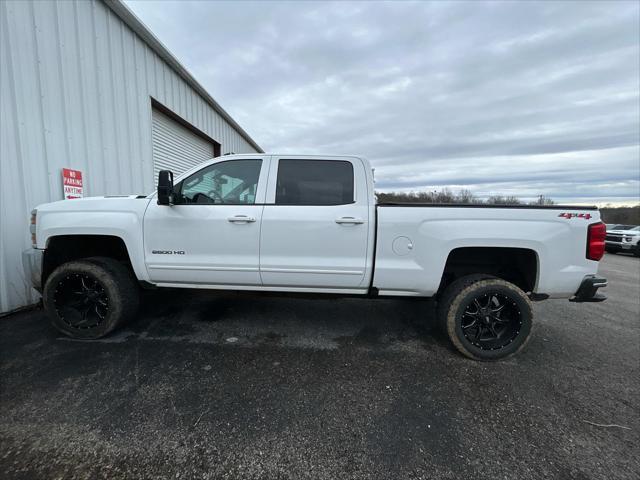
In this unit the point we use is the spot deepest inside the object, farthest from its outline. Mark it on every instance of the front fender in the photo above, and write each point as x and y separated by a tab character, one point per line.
126	225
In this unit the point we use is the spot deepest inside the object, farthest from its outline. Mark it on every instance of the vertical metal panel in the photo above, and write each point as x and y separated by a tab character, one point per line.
76	88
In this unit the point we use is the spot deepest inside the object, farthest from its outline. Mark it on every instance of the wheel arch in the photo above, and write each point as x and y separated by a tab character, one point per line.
520	266
65	248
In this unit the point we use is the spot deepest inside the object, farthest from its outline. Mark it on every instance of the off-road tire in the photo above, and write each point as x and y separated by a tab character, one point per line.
441	316
458	296
116	284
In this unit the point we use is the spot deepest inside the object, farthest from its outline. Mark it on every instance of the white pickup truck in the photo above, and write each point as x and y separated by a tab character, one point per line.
623	238
300	223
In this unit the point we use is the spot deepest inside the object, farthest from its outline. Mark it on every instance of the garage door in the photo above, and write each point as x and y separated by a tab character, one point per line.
175	147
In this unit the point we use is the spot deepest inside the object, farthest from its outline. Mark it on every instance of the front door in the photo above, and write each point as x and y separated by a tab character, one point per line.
211	235
315	226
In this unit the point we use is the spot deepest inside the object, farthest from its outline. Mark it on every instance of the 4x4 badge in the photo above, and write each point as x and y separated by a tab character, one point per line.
586	216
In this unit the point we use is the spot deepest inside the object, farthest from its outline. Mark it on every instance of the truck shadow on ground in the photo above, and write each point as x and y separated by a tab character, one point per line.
317	322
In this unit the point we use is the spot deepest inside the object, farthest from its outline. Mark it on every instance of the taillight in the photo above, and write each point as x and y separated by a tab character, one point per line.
595	241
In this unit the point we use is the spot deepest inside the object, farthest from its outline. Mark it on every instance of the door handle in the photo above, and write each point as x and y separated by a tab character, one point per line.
241	219
349	221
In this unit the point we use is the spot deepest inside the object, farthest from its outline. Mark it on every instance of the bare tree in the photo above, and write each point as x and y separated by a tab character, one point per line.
503	200
542	200
465	196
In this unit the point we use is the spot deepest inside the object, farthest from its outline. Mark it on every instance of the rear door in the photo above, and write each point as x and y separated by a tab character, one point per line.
315	224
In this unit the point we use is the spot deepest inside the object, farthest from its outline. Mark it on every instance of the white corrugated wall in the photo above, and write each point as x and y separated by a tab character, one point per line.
75	91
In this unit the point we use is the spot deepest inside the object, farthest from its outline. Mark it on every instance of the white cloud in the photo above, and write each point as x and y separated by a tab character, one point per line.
520	98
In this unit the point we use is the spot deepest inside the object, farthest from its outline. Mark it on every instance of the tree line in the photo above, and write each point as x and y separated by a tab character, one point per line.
621	215
461	197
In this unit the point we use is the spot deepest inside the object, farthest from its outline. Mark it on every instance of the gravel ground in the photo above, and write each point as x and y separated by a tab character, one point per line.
209	385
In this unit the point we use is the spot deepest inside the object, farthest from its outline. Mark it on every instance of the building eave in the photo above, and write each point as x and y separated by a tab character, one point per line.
134	23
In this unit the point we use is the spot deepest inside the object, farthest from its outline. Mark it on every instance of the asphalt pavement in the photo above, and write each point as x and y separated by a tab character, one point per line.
217	385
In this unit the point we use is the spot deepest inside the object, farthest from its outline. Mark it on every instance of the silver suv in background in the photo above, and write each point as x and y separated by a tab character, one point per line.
623	238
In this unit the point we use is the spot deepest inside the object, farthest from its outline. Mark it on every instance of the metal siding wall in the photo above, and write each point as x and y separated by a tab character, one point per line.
75	92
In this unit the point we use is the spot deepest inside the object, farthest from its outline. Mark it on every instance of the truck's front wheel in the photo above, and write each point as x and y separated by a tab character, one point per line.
90	298
486	318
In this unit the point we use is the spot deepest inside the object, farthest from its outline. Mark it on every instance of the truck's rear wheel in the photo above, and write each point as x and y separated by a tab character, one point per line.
486	319
90	298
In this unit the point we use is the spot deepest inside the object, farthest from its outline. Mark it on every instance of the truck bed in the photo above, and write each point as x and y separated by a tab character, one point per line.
414	242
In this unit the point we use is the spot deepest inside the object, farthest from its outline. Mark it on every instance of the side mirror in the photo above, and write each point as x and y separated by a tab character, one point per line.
165	188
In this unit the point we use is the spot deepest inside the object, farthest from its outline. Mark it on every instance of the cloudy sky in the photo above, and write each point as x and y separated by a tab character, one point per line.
507	98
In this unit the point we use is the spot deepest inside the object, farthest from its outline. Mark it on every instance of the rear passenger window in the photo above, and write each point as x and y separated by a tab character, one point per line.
314	182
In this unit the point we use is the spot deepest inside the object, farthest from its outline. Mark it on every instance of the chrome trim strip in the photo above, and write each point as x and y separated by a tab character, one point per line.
205	268
309	270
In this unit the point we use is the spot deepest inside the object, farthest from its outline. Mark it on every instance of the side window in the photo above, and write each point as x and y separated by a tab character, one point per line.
314	182
231	182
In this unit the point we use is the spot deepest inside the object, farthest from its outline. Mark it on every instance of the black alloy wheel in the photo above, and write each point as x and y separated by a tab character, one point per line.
81	301
491	321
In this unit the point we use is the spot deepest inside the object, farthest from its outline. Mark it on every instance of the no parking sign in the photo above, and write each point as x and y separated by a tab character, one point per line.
72	183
